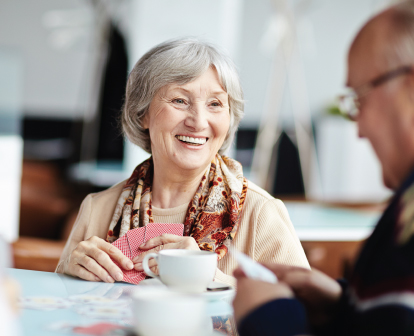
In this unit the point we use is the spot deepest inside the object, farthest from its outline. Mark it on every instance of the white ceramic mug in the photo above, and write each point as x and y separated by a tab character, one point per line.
159	312
184	270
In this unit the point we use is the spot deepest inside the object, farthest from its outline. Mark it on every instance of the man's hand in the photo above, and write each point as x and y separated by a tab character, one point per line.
91	260
252	294
163	242
318	292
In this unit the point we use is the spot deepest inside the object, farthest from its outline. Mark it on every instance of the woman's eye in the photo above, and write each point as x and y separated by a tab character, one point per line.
216	104
179	101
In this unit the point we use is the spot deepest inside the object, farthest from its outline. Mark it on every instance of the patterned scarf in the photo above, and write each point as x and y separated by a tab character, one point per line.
213	214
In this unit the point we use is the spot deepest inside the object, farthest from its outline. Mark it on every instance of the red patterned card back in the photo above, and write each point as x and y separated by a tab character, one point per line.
123	246
135	239
130	242
157	229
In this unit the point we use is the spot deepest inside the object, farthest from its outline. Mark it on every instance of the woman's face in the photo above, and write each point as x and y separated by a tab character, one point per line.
188	123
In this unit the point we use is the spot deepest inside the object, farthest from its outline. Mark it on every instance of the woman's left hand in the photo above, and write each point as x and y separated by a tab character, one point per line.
165	241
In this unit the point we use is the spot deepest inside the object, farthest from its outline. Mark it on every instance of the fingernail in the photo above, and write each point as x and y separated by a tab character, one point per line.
142	245
109	279
119	276
129	264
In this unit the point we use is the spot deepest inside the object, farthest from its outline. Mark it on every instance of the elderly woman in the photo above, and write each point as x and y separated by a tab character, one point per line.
183	105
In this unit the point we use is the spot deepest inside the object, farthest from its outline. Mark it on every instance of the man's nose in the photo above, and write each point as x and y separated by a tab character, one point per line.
197	118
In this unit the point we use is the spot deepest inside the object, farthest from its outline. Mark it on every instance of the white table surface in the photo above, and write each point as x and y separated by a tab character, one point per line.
46	284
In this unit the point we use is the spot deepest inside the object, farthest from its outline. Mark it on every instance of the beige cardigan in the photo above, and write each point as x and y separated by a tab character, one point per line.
265	233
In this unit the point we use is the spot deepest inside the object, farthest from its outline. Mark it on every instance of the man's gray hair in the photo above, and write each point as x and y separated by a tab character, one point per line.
401	39
178	61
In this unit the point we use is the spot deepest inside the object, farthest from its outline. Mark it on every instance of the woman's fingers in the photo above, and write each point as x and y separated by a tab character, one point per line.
154	269
102	259
115	254
151	263
92	266
94	256
165	238
83	273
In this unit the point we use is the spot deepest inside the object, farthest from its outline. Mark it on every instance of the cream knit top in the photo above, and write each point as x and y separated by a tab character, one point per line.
265	233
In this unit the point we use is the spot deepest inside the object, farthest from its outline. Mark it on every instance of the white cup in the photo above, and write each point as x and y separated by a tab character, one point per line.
160	312
184	270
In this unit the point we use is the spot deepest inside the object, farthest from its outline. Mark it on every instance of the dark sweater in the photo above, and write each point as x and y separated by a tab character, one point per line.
379	298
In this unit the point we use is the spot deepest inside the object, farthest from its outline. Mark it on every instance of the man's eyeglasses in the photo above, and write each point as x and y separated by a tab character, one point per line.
349	103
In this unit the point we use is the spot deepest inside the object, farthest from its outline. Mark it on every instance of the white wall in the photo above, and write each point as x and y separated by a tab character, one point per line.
11	143
55	80
325	32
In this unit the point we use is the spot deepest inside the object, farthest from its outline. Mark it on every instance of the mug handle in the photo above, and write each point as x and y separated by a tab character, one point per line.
146	267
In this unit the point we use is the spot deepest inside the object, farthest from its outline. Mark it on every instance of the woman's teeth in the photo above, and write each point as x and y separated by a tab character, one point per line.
191	140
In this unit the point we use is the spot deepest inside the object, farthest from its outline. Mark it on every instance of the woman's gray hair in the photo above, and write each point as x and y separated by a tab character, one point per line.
178	61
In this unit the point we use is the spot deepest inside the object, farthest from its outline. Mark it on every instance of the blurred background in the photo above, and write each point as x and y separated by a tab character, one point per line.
63	68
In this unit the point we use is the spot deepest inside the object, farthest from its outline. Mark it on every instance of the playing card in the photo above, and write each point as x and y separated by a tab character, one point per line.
123	246
252	268
134	276
157	229
130	242
98	329
44	303
97	300
135	239
131	276
108	312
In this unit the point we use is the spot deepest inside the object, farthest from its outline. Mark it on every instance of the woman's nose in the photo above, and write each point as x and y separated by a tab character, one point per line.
197	118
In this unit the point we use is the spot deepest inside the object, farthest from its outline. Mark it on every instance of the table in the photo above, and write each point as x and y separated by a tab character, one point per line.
321	222
46	284
331	236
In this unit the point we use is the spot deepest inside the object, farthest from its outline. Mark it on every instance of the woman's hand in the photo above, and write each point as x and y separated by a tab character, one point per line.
91	260
165	241
252	294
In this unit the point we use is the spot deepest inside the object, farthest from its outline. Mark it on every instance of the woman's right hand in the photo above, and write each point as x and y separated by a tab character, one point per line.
91	260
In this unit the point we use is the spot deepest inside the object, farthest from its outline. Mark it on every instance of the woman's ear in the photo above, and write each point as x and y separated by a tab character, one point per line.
410	96
145	121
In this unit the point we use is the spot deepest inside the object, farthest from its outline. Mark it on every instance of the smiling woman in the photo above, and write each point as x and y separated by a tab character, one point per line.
183	105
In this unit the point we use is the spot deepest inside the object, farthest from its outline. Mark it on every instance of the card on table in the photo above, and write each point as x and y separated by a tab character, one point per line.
130	242
98	329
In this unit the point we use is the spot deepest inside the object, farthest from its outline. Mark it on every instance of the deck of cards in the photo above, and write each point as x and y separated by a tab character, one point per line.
129	244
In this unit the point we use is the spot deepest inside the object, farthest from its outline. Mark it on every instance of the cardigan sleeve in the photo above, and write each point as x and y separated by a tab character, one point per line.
275	239
77	234
225	278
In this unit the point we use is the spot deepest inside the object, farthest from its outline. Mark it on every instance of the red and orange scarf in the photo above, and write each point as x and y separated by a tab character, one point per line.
213	215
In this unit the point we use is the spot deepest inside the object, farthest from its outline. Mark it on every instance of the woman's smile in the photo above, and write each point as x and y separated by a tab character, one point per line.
192	140
188	123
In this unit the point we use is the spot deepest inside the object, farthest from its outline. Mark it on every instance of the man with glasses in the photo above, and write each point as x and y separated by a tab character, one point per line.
379	297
